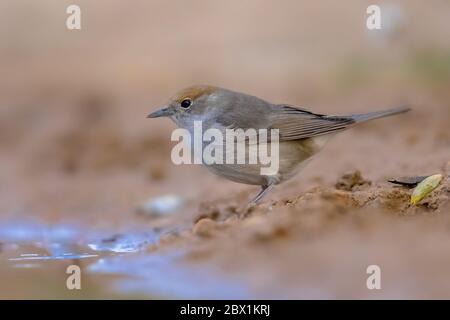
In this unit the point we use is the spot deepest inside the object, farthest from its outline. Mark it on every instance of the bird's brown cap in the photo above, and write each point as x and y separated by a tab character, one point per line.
193	93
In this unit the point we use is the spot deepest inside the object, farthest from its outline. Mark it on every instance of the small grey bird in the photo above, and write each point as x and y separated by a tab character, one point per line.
302	133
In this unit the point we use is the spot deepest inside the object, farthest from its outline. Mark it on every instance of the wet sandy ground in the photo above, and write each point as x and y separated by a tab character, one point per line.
313	237
79	159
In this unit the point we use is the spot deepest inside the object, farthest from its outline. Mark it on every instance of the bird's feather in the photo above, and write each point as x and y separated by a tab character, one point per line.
293	123
296	123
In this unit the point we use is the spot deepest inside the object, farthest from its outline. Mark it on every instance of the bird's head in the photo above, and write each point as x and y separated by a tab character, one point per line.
190	104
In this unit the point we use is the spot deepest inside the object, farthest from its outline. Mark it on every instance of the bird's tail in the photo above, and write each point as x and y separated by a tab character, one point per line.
377	114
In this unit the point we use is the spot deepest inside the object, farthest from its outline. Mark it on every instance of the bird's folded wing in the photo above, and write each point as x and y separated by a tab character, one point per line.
294	123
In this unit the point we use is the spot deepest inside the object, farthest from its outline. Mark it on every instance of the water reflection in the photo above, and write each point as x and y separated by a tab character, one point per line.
124	242
34	246
70	256
67	241
167	276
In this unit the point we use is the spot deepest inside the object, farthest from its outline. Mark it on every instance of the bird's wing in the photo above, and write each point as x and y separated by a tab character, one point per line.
296	123
292	122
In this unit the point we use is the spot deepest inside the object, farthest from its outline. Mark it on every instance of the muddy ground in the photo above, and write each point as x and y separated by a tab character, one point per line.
79	158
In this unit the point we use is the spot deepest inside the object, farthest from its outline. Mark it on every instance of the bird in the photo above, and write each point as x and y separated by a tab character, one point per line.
302	133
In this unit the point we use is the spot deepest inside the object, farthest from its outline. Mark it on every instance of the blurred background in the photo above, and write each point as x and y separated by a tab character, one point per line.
80	163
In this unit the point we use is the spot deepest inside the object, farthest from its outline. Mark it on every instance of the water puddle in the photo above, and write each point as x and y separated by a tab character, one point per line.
67	241
118	263
121	243
168	277
35	256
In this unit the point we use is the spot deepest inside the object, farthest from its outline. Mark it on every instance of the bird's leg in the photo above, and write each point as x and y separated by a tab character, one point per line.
264	190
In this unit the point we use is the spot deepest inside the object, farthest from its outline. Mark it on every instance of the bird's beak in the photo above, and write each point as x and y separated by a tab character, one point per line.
164	112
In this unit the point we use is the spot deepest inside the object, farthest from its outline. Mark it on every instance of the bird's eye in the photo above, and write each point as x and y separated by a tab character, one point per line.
186	103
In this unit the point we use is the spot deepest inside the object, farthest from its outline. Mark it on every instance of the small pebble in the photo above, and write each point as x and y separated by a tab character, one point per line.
161	206
204	227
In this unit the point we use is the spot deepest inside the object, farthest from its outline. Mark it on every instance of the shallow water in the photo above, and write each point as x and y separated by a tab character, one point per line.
112	265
